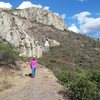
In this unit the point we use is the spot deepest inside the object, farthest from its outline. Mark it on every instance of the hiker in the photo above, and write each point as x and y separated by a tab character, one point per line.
33	66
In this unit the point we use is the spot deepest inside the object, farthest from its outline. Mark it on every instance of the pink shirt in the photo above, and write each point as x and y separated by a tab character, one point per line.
34	64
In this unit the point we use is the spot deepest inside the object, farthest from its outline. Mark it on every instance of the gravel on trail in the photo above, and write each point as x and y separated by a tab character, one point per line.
44	86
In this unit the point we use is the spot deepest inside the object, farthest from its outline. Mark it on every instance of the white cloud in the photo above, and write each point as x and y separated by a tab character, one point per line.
82	16
87	24
27	4
5	5
56	14
63	16
46	8
74	28
91	26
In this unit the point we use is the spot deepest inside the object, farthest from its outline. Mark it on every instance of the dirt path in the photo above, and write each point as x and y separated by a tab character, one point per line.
43	87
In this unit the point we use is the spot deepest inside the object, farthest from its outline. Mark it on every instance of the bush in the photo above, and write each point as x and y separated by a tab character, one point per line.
81	84
65	76
83	89
94	76
7	54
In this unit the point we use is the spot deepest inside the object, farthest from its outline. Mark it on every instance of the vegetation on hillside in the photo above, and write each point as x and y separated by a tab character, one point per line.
8	58
79	83
75	49
7	55
76	63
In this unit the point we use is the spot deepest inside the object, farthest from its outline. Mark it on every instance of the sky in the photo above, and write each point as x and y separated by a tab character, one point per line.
81	16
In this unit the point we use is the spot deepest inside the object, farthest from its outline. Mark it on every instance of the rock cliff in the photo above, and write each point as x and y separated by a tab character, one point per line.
22	29
43	16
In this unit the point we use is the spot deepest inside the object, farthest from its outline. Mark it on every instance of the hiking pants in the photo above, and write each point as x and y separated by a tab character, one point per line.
33	71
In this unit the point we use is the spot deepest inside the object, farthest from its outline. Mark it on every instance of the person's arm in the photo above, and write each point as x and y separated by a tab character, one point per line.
37	64
29	64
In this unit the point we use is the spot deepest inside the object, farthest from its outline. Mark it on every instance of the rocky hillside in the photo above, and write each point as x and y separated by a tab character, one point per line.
75	50
34	31
20	27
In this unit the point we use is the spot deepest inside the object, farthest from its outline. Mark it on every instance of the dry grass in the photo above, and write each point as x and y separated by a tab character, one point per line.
4	84
5	79
12	79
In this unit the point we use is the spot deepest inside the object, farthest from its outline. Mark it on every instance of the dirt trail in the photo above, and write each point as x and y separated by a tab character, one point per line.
43	87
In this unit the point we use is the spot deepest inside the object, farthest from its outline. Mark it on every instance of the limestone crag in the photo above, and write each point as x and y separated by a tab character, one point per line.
20	30
43	16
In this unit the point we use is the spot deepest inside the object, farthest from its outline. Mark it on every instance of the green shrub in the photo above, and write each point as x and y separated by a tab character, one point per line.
80	84
94	76
83	89
65	76
7	54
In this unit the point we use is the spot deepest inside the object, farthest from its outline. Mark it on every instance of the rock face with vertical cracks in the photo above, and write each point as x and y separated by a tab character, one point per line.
27	30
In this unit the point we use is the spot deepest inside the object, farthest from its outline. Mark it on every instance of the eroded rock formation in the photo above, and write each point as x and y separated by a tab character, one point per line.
21	29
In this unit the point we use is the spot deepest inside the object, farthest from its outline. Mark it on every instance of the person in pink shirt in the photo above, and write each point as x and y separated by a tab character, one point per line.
33	66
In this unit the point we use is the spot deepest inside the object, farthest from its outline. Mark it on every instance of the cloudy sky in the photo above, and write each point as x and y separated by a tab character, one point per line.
82	16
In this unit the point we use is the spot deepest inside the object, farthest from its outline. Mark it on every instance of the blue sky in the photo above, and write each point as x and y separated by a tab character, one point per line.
82	16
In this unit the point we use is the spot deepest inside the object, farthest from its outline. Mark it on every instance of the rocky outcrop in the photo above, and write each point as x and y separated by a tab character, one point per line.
21	30
43	16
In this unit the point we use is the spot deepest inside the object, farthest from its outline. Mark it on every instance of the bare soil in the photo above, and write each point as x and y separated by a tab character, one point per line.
44	86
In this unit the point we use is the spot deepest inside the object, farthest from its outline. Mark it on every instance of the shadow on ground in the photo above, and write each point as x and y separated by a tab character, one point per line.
29	75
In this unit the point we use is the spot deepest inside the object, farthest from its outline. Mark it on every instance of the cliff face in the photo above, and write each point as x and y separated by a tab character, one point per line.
22	29
43	16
